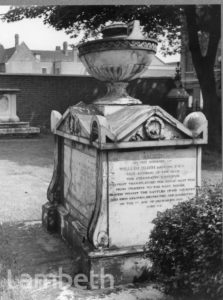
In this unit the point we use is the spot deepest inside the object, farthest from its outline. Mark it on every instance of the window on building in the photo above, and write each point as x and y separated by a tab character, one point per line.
57	71
44	70
37	56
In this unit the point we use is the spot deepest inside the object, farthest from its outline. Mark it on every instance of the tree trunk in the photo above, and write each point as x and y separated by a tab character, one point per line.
212	110
204	67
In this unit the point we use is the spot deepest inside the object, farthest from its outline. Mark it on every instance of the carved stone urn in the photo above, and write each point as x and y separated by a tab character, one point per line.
122	55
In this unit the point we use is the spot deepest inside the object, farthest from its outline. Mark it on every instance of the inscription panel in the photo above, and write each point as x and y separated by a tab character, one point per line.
143	183
80	178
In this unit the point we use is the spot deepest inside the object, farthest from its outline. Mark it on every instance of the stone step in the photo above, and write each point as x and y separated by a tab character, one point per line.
19	131
14	124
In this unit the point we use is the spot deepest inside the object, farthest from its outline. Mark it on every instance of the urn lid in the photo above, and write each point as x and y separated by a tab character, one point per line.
119	36
114	30
131	31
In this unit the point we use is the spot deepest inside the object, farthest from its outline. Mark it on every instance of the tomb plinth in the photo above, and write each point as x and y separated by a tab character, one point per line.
118	162
10	124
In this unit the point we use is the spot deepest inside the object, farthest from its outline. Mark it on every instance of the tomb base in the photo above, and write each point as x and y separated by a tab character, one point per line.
104	268
8	129
115	168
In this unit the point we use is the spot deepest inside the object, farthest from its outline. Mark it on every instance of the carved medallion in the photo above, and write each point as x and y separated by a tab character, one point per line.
154	128
102	239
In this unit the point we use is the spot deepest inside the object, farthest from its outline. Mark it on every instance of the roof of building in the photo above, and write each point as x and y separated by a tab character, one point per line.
172	63
5	54
59	54
157	61
54	55
158	73
157	68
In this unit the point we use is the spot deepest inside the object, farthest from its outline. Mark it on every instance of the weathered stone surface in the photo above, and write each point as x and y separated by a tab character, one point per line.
80	167
142	183
118	124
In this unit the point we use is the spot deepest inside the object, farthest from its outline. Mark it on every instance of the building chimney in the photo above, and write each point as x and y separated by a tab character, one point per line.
65	48
57	48
16	40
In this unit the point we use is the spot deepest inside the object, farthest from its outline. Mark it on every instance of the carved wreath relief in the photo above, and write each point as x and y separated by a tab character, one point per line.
154	128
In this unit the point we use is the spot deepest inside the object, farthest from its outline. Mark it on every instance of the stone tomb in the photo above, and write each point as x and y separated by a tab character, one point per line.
115	168
10	124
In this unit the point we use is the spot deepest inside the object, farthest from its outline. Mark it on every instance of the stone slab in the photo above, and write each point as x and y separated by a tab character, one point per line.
14	124
79	178
143	183
19	131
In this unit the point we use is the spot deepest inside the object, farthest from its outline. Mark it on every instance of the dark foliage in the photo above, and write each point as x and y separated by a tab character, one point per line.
186	247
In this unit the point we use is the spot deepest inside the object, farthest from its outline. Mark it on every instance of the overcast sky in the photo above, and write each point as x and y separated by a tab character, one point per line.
38	36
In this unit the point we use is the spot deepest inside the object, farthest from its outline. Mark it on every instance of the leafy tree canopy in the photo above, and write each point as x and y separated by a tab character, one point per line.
157	21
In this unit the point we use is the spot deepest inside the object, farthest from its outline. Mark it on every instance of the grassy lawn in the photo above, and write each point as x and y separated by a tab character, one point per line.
211	168
25	172
211	161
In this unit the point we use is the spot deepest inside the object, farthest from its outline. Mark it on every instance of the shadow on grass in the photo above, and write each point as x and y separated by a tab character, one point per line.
36	151
211	160
27	248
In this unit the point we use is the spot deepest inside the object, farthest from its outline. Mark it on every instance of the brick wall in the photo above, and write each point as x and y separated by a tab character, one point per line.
40	94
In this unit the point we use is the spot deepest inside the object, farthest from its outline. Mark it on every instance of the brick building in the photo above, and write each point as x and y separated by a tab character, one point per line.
21	60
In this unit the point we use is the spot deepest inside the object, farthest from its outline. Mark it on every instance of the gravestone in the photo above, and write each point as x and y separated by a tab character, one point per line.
118	163
10	124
